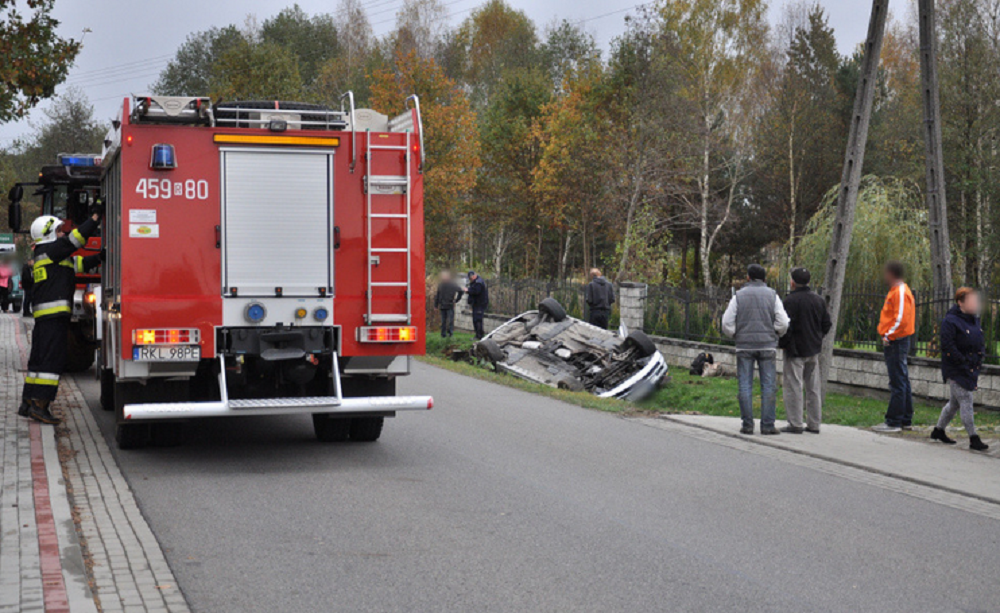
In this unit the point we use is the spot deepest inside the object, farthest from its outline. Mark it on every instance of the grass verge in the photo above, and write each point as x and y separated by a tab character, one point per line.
688	394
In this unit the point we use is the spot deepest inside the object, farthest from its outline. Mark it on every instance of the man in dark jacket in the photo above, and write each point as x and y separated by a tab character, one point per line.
809	323
27	282
448	293
479	300
599	295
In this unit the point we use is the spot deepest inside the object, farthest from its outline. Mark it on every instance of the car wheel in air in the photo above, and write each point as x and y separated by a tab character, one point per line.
552	308
639	339
569	382
489	349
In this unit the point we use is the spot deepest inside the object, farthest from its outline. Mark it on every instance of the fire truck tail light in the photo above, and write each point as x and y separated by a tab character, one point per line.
168	336
387	334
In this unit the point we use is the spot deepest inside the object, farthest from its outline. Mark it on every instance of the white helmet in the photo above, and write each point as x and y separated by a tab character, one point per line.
43	229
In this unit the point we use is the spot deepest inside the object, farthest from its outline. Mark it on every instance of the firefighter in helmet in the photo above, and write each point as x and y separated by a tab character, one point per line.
54	274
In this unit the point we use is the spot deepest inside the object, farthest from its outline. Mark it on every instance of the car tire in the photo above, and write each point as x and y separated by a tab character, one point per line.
552	308
569	382
366	429
645	344
331	429
492	351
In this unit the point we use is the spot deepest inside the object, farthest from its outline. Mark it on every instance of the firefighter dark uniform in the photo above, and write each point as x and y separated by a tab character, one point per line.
54	276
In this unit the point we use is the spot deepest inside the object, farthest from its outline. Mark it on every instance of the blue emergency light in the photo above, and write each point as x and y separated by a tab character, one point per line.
163	157
79	160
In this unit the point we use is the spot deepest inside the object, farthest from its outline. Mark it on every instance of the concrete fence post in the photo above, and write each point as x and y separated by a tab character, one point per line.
632	304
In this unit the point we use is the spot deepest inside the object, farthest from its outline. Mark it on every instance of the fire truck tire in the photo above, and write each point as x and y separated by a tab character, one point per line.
131	436
366	429
107	389
167	434
552	308
331	429
81	351
128	435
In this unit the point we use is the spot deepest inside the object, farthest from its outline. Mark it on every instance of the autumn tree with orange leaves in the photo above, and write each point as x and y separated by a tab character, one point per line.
450	141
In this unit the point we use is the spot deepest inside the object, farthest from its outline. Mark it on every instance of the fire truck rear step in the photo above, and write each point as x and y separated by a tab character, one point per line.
373	405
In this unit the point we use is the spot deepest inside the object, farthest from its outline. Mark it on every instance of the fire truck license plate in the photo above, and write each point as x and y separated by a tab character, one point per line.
183	353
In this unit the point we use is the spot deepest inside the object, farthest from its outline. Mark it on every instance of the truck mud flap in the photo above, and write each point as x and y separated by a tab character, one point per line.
226	407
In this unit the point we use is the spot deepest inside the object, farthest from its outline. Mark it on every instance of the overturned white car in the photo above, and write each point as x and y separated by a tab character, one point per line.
547	346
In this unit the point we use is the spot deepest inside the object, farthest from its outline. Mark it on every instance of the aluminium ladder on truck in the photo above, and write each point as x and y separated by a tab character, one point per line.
378	189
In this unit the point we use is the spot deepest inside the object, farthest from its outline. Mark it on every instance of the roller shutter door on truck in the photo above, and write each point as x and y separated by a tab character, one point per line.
277	215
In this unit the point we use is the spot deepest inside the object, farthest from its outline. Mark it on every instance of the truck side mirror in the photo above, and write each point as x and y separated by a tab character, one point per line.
15	195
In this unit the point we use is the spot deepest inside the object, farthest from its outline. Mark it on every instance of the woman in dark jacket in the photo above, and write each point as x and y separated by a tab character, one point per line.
962	349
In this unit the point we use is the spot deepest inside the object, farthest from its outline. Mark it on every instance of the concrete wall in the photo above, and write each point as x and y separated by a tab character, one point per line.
859	371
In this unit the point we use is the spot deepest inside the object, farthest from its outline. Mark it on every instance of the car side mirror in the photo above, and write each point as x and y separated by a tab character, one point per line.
14	217
15	195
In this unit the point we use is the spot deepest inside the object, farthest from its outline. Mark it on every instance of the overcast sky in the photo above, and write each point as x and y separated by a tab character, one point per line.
131	40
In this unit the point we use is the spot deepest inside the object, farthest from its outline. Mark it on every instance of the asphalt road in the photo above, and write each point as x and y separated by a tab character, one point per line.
499	500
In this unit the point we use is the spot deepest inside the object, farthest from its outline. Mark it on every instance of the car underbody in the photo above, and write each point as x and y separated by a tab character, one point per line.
547	346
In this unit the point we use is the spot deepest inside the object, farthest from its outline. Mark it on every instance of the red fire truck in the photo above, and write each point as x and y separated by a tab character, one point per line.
264	258
67	189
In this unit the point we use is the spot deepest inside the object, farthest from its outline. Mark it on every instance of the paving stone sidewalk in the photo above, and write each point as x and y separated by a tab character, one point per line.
110	561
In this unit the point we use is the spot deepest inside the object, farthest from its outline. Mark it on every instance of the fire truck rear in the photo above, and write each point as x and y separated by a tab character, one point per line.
264	258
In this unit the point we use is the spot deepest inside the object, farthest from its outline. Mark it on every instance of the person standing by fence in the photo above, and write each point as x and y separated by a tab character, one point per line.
448	293
599	295
27	283
756	318
809	323
896	327
963	346
479	301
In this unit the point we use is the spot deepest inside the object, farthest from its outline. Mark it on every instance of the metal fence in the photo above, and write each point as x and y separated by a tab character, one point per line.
696	314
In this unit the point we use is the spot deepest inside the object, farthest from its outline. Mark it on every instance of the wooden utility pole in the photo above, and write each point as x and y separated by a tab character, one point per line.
850	181
937	204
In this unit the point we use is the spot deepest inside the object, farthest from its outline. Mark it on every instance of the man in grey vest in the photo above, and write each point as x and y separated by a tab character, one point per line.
756	318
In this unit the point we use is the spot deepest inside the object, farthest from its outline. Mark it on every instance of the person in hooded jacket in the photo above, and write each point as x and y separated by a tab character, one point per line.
599	295
963	346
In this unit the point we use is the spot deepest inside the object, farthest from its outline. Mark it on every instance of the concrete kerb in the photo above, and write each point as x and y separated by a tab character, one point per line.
74	571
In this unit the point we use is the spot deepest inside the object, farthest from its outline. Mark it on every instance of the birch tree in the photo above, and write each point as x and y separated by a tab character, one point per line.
720	48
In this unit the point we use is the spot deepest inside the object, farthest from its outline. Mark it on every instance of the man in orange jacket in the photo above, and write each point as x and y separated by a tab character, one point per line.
896	327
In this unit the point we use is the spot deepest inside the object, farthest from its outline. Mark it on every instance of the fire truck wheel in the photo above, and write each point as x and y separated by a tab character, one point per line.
81	351
107	389
366	429
167	434
128	435
131	436
331	429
